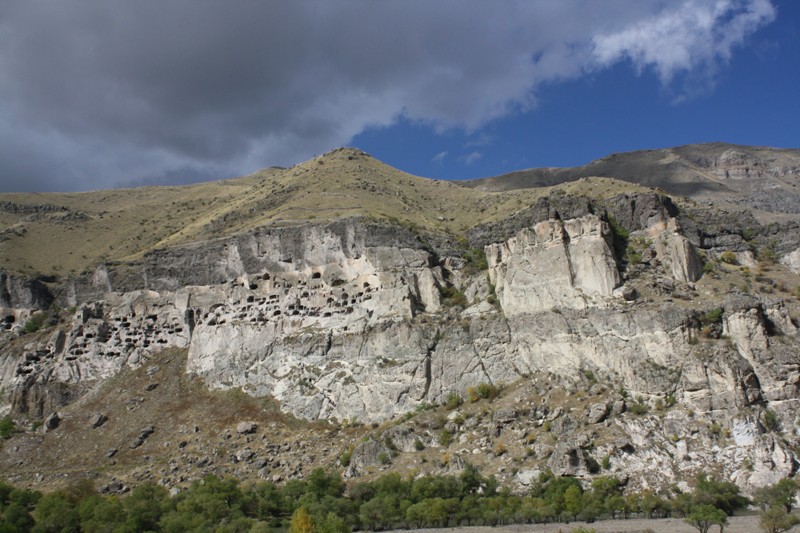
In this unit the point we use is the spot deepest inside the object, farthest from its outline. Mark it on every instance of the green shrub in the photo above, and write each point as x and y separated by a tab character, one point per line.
712	317
770	420
344	458
633	256
729	258
487	391
451	296
445	438
619	236
475	260
453	400
35	322
7	427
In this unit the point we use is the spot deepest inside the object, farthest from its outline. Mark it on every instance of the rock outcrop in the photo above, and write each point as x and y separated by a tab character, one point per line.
554	264
357	320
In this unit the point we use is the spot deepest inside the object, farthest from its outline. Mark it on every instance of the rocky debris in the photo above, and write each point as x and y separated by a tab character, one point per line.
367	454
52	421
596	413
245	454
97	420
111	453
246	428
564	424
406	439
504	416
151	387
143	435
114	487
627	293
527	477
569	458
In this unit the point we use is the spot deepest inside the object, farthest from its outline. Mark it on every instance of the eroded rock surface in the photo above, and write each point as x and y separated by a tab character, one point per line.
358	321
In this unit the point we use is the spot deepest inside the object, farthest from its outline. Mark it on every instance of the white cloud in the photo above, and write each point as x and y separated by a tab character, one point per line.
691	34
471	157
104	92
438	158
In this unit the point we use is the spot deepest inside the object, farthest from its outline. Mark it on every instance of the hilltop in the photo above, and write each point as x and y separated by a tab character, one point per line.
59	234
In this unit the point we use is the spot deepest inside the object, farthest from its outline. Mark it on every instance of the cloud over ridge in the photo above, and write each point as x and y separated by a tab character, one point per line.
99	93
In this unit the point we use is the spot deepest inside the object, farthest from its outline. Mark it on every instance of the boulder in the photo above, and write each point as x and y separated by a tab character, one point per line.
367	454
246	428
596	413
504	416
97	420
52	421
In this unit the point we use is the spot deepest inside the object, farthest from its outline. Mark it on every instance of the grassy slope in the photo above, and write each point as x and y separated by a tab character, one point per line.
123	224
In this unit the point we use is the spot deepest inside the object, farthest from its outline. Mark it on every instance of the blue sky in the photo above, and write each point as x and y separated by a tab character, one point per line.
112	93
752	99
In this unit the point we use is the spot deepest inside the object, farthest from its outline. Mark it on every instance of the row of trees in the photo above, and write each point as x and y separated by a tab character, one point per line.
319	504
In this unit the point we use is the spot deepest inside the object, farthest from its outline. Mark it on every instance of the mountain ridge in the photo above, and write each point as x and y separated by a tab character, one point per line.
717	172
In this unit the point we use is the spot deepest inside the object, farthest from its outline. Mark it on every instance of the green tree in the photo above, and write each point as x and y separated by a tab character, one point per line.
703	516
321	484
56	514
302	522
777	519
268	503
573	501
332	523
552	489
7	427
145	506
214	499
651	504
435	487
721	494
781	493
15	517
770	420
100	514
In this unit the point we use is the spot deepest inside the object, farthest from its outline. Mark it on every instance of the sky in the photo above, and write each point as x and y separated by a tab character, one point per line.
99	94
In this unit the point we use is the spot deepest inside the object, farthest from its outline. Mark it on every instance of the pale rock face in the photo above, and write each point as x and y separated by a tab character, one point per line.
736	165
792	260
555	264
744	432
675	251
769	463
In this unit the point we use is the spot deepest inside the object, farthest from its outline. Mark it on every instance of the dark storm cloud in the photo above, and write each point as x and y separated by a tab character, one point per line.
102	93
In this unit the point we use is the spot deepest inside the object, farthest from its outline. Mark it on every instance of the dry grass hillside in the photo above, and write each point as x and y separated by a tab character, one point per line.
62	234
763	179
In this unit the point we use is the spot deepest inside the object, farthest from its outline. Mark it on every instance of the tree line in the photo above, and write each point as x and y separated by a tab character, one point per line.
320	503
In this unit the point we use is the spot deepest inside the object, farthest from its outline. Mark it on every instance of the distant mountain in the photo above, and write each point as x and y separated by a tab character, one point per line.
761	178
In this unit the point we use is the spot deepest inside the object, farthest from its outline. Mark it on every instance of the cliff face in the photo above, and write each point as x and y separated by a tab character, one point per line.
349	320
361	320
